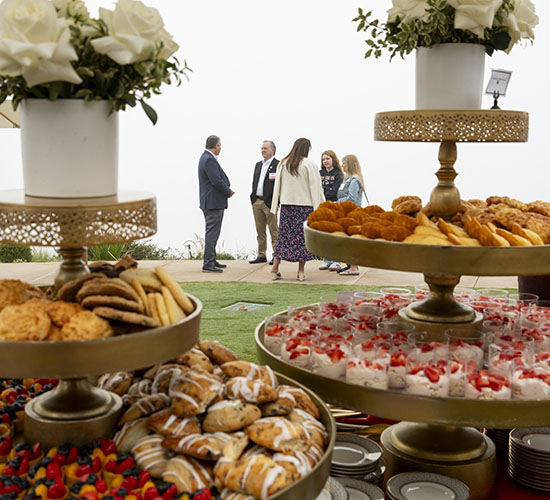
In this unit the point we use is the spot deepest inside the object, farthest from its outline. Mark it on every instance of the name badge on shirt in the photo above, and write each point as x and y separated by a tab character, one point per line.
272	176
341	187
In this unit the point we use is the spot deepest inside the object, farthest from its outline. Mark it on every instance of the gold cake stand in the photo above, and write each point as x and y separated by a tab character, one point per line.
73	224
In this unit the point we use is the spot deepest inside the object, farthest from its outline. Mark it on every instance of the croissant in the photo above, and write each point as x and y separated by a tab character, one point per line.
195	358
217	352
315	428
166	423
193	392
230	415
251	371
296	463
187	474
200	446
150	455
258	476
279	434
118	382
300	398
251	391
145	406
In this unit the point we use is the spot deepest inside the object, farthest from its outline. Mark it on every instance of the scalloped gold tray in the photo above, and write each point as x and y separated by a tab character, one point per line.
455	260
84	358
399	405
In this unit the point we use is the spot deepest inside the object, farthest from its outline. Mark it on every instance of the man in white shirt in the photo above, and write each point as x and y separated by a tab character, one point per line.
262	193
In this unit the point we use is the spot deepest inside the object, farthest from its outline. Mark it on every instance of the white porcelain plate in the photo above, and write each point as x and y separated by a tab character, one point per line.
352	451
537	441
360	490
426	486
425	490
333	490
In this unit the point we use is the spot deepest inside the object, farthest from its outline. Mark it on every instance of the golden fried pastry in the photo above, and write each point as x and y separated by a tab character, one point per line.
346	222
423	220
194	391
395	233
356	229
188	474
164	422
146	277
372	230
372	210
86	325
403	199
463	241
326	226
195	358
28	321
347	206
61	312
539	207
258	476
539	224
391	216
251	391
534	238
358	236
118	382
126	317
447	228
296	463
358	214
511	202
201	446
408	207
405	221
515	240
250	371
230	415
323	214
426	239
150	455
300	399
217	352
279	434
144	407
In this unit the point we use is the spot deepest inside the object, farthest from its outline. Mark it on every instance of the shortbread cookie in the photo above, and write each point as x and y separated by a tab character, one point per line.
230	415
279	434
175	312
146	277
179	295
86	325
126	317
150	455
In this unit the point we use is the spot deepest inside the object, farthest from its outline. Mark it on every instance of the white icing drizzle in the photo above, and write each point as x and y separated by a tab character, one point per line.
226	403
298	459
183	395
141	387
205	444
272	377
191	466
287	430
314	452
121	434
243	388
273	472
149	452
148	404
255	450
161	377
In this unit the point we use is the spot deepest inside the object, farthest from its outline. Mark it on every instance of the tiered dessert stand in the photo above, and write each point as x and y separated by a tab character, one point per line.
438	435
76	411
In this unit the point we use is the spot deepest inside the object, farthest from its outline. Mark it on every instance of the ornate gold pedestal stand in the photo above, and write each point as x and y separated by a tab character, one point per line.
76	411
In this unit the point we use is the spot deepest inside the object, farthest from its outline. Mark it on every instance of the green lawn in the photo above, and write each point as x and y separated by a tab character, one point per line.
235	329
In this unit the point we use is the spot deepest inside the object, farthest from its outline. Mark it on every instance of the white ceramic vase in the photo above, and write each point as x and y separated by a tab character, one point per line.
69	148
450	76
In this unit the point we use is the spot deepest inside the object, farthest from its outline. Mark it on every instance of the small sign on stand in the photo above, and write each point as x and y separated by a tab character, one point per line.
498	84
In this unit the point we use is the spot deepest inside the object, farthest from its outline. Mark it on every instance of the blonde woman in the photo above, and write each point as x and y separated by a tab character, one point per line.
351	190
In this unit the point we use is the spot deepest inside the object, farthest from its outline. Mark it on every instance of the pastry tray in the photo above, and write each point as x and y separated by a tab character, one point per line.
454	260
84	358
399	405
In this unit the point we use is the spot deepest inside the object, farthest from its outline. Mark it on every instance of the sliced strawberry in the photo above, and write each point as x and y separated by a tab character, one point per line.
432	373
57	490
150	494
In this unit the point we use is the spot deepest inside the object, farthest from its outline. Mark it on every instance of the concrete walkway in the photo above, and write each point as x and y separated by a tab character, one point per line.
238	270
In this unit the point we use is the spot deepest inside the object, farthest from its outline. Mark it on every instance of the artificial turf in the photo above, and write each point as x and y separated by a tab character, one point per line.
235	329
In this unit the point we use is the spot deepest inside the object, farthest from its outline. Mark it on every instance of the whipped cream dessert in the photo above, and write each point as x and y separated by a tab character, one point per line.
464	352
485	385
531	384
457	378
297	352
432	351
330	362
397	370
366	373
427	379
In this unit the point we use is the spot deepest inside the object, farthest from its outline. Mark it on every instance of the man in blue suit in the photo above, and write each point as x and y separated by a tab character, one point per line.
214	190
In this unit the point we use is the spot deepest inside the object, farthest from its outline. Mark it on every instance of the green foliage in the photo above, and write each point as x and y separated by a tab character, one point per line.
41	254
145	250
402	38
15	253
107	252
102	77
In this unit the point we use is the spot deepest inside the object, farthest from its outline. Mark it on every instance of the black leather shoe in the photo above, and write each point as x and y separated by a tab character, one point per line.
221	266
211	269
271	262
258	260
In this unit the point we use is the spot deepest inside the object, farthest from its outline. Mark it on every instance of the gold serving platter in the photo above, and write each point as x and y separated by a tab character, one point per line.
85	358
451	260
399	405
310	486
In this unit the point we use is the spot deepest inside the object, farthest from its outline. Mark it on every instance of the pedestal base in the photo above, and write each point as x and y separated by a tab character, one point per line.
428	326
52	432
470	458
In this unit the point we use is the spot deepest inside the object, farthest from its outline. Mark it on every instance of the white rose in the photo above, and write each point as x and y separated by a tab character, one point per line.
168	44
521	22
134	32
408	10
475	15
35	43
71	8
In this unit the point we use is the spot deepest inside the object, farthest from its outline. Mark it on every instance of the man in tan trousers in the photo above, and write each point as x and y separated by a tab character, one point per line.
262	193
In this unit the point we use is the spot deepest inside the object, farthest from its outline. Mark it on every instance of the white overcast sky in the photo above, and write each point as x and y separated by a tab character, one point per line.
295	68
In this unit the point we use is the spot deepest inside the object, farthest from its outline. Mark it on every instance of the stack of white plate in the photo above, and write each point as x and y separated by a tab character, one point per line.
357	457
360	490
333	490
529	460
501	438
425	486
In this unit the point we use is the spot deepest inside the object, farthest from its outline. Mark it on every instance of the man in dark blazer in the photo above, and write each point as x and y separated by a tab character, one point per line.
261	196
214	190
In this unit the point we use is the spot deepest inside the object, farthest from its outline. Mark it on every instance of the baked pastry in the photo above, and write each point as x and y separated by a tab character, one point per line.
220	471
164	377
300	399
251	391
258	476
296	463
150	455
315	428
86	325
130	434
141	387
115	287
126	317
60	312
187	474
232	445
314	453
217	352
118	382
230	415
193	392
250	370
257	450
279	434
92	301
228	494
145	406
69	290
146	277
283	405
164	422
24	322
195	358
201	446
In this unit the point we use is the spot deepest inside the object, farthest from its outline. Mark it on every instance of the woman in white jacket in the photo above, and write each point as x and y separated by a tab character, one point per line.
298	191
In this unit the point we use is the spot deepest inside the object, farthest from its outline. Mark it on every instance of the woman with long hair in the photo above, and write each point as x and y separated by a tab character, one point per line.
298	190
332	176
351	190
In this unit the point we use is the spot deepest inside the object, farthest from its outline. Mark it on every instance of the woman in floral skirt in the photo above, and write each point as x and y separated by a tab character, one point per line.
298	191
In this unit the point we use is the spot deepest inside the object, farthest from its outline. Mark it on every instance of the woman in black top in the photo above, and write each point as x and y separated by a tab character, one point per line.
332	176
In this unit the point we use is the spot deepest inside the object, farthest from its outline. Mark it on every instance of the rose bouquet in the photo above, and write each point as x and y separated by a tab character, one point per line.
56	50
495	24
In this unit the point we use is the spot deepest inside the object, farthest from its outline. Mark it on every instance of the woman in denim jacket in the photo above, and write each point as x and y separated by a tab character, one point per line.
351	190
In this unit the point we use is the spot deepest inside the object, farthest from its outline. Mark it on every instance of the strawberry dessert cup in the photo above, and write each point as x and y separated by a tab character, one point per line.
484	385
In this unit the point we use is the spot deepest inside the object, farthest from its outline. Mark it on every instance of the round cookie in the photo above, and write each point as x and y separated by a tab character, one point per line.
126	317
92	301
86	325
69	290
24	322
